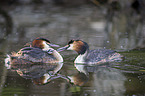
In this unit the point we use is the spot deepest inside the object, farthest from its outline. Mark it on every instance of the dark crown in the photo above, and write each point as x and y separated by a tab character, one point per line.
40	38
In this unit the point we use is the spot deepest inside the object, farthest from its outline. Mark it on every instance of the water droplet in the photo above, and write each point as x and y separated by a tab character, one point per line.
107	41
121	46
85	94
94	90
15	95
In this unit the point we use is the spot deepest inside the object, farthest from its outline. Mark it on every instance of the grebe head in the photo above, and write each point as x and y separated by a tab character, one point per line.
78	79
43	43
77	45
46	78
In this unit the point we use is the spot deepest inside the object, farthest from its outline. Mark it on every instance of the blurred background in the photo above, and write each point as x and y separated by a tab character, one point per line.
112	24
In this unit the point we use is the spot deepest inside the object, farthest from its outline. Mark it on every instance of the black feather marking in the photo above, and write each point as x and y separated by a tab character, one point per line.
70	42
40	38
83	48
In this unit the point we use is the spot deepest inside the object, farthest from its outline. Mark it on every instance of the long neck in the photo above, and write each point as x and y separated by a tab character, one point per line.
82	57
57	56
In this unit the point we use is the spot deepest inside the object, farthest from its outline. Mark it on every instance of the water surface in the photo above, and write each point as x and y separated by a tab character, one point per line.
124	78
59	25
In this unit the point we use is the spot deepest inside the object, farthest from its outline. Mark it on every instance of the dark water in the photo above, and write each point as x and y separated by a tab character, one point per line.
122	32
126	78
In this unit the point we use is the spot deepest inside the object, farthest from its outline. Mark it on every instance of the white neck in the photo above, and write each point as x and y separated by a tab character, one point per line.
46	47
57	56
47	76
81	58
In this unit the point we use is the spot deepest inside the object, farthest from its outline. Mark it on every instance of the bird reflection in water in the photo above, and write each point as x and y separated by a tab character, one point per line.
78	79
103	79
39	73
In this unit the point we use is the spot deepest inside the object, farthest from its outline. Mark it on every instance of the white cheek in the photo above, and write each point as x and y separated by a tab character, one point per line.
47	76
46	47
70	47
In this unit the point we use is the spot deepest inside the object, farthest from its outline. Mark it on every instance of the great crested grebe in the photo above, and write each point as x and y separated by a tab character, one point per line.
90	56
39	52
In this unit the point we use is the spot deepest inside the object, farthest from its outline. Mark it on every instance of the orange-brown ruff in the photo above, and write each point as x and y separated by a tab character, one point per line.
40	52
37	43
87	56
77	46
